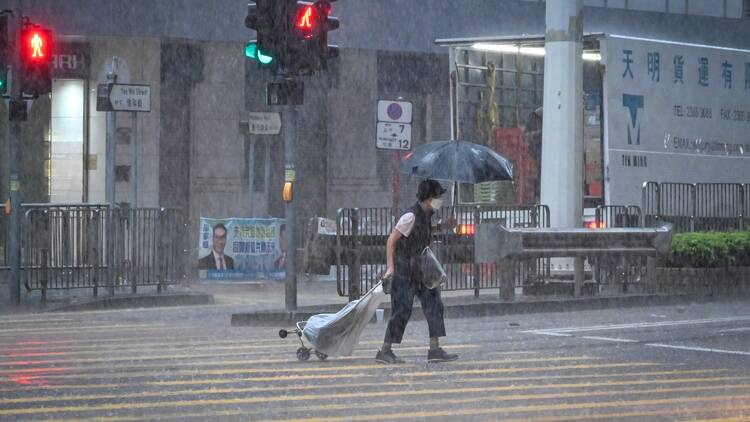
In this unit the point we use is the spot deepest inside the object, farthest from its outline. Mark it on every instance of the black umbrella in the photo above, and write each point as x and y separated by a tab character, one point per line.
457	161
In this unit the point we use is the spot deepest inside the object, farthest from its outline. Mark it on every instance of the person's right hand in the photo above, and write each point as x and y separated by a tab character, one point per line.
388	273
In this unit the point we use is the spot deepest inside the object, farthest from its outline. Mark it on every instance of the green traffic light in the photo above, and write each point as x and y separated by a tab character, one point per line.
252	51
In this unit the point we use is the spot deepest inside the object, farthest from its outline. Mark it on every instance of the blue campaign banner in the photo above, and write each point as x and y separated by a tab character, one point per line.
241	249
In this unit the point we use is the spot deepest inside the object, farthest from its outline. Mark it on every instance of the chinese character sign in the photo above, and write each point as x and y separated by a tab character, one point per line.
653	66
703	71
679	69
241	249
691	130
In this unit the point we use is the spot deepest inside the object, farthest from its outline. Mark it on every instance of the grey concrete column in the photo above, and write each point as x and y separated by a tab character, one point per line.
562	139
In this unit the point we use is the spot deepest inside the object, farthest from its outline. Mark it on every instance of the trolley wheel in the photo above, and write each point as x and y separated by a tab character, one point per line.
321	356
283	333
303	353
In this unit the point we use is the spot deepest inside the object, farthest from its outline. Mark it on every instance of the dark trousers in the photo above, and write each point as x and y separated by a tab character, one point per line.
403	291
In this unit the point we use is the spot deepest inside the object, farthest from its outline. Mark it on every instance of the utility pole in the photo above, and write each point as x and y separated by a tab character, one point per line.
14	137
289	128
111	143
562	143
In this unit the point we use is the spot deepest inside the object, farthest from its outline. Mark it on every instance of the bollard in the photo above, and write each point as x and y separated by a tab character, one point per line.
578	268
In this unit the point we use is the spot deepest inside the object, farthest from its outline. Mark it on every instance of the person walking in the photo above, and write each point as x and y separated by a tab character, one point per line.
405	244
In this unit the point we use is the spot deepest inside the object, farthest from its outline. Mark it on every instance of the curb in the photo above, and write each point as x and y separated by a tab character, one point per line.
478	310
135	301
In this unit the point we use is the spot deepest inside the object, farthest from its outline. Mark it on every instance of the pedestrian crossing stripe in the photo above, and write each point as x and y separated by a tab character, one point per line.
223	381
359	406
141	357
687	411
378	385
338	364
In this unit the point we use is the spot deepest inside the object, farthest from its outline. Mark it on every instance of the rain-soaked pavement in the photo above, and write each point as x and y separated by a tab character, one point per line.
661	363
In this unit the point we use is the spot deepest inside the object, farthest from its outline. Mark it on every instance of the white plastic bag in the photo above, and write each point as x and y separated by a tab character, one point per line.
338	334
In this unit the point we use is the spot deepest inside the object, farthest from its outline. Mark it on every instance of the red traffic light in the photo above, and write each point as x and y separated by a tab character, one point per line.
36	45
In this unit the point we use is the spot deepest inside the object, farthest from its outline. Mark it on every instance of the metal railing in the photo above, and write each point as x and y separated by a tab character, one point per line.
95	246
362	234
697	207
608	216
3	239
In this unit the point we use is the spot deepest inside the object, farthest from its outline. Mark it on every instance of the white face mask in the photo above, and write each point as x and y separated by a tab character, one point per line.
436	203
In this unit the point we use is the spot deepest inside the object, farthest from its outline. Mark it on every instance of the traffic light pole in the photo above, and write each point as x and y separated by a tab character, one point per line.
289	125
14	137
111	146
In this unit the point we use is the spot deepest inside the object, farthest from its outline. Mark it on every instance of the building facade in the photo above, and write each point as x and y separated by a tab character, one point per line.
192	152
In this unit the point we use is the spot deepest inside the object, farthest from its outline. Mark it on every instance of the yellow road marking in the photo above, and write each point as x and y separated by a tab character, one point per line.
371	394
195	373
36	389
332	365
698	409
129	341
498	410
141	357
37	321
534	369
83	328
353	385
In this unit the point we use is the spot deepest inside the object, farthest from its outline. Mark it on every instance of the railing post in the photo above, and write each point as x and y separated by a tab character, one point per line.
354	269
578	276
507	288
743	211
650	274
693	201
477	267
45	277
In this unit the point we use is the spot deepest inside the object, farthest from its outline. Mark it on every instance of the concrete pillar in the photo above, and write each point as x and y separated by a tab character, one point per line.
562	138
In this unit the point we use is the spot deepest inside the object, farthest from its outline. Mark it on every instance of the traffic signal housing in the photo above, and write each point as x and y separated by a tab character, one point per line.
36	46
328	23
265	18
308	41
4	54
291	34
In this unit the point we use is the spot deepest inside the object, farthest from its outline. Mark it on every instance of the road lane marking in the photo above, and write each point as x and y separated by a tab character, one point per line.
614	339
735	330
37	389
497	410
133	344
556	418
108	364
371	394
377	385
648	324
73	330
698	349
329	366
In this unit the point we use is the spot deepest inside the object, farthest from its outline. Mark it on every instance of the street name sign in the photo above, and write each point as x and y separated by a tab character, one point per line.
263	123
130	97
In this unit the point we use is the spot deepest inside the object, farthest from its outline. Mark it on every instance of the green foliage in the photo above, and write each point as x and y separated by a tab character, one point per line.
710	250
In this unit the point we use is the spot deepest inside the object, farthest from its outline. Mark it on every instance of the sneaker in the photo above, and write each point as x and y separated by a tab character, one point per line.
440	355
387	358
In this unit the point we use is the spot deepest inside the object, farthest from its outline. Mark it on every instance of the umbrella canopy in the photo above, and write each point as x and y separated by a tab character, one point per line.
457	161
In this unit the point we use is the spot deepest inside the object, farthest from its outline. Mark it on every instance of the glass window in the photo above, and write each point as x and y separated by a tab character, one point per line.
66	141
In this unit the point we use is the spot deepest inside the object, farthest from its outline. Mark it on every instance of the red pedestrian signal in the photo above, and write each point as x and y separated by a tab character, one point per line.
36	61
37	46
306	20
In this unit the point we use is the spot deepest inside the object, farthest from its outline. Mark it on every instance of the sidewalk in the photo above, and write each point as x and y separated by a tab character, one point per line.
263	302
